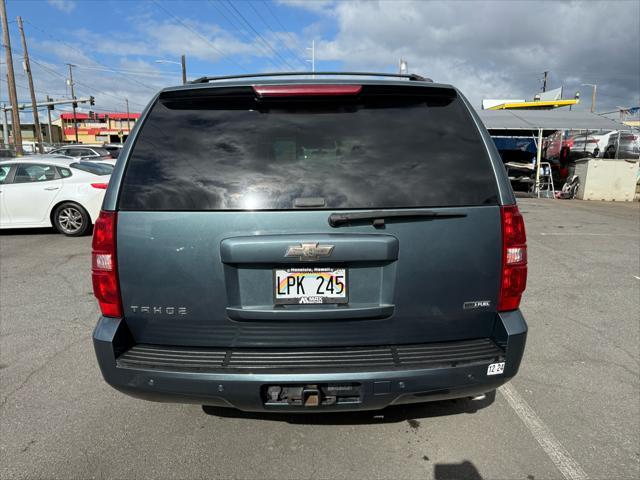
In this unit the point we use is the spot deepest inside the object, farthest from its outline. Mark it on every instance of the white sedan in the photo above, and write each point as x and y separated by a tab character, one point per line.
45	190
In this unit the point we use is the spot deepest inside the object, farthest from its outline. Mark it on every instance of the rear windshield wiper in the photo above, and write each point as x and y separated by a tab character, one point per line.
378	217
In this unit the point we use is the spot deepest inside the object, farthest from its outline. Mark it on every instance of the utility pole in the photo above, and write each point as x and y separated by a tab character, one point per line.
74	104
11	80
27	69
128	121
183	62
313	56
49	108
593	95
544	84
404	67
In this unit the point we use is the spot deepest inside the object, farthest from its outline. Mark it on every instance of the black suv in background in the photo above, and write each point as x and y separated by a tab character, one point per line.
337	243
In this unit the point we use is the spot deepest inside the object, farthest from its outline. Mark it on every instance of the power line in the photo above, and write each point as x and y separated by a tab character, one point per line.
230	21
134	72
197	33
284	29
238	27
245	34
141	73
90	89
93	60
261	37
297	57
50	70
26	87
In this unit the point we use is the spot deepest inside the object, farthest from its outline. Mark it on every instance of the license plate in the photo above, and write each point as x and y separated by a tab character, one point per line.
313	285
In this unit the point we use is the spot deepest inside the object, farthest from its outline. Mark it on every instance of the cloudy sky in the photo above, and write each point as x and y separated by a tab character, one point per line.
487	49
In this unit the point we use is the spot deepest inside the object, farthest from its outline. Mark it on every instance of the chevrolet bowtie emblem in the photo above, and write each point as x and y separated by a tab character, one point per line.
309	251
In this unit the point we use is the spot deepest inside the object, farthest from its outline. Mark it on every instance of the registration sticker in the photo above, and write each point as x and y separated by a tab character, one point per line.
495	368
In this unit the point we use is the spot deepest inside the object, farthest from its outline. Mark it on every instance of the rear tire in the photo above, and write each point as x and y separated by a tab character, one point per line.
71	219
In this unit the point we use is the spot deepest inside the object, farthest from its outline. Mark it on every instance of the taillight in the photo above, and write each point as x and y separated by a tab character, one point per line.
514	259
101	186
104	274
305	90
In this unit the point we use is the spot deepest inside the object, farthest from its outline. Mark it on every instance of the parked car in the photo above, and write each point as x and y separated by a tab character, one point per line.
317	244
85	153
589	144
45	190
623	145
564	147
114	149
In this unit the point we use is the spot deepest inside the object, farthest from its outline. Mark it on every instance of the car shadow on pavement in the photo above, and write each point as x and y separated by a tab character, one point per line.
410	413
37	231
28	231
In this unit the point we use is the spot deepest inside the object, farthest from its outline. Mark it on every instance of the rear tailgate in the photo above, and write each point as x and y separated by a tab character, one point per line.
227	193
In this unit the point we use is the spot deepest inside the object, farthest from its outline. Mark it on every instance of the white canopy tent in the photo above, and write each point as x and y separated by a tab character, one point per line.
548	120
539	121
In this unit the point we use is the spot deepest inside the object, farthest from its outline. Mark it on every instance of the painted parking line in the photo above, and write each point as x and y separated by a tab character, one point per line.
636	277
561	458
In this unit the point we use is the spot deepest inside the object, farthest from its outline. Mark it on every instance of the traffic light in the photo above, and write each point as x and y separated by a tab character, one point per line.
92	100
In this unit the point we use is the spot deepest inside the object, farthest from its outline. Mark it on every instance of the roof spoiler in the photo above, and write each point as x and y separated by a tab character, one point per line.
411	76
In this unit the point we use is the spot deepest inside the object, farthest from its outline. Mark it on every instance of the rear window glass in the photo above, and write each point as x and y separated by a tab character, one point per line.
101	151
378	150
95	168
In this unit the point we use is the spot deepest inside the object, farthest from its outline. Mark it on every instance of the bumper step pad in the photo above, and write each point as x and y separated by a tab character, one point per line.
390	357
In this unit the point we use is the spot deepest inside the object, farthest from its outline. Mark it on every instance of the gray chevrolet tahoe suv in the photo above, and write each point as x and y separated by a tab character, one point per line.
277	243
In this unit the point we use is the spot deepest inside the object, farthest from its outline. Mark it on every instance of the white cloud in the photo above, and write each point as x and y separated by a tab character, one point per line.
131	71
66	6
488	49
495	48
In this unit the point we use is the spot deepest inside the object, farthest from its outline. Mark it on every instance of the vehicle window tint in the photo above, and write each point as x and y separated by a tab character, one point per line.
95	168
28	172
101	151
64	172
78	152
4	171
376	151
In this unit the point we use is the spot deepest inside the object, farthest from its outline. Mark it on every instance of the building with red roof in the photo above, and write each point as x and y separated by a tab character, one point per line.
108	127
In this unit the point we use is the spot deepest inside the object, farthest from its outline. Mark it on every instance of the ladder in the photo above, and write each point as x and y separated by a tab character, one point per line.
546	188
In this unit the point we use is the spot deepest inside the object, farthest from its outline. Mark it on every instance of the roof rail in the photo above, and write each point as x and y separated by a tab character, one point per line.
411	76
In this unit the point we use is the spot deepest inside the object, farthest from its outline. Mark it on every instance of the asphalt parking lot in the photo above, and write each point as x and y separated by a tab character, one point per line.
572	412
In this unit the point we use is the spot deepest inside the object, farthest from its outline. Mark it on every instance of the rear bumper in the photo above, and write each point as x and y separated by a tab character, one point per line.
379	387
